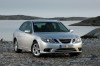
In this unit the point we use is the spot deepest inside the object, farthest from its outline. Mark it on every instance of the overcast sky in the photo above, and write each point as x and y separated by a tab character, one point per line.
51	8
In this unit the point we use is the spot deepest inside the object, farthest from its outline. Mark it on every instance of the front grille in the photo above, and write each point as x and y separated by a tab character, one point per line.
65	40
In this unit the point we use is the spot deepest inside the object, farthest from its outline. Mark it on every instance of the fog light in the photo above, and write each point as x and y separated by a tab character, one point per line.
47	49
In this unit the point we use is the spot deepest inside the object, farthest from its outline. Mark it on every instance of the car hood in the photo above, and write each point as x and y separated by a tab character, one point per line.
56	35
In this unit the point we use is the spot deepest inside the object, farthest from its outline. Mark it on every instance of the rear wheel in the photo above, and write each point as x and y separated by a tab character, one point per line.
35	49
16	49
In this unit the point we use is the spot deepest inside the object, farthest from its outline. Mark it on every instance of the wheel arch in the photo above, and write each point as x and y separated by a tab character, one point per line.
34	41
15	39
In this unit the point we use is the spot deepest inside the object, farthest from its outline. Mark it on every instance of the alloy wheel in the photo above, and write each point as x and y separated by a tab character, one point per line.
36	50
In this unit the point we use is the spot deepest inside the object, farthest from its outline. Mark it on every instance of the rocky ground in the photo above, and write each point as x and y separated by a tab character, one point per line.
89	57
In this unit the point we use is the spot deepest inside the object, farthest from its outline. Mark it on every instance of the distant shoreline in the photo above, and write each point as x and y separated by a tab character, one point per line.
25	17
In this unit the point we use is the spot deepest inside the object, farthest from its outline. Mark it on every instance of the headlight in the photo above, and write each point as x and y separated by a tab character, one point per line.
77	40
50	40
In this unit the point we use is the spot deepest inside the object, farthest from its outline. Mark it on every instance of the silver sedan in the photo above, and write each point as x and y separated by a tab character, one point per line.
46	36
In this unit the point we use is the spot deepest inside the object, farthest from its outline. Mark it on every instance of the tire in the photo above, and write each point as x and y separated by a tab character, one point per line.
16	47
74	54
36	50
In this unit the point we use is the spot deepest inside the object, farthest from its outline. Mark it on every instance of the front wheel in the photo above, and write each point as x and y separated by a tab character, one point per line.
35	49
16	49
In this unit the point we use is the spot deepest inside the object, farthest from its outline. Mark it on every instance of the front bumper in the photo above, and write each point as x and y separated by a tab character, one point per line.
61	48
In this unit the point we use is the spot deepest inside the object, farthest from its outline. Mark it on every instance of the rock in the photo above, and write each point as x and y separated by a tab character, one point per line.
1	40
93	34
89	22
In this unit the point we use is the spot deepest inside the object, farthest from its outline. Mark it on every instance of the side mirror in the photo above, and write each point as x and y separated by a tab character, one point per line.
71	31
27	31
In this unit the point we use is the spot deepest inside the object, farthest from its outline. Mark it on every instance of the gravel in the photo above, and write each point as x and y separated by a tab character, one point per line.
89	57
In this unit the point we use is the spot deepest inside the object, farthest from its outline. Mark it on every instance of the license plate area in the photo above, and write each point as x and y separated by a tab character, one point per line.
68	46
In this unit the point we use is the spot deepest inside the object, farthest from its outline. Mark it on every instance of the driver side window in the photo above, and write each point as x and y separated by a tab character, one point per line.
26	26
23	26
29	26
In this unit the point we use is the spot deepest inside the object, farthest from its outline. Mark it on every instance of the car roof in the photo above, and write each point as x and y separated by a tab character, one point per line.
44	20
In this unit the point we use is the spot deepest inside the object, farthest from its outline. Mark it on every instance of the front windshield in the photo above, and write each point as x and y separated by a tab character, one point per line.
49	27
